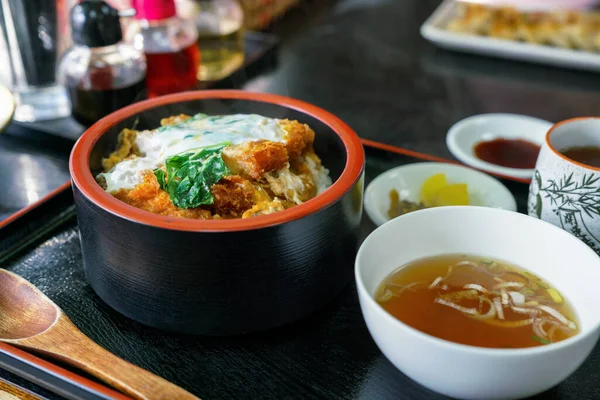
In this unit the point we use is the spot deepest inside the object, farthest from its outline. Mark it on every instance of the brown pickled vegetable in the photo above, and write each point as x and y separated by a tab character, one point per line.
400	207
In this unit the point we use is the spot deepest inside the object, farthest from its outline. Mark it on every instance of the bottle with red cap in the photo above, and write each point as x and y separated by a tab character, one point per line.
170	45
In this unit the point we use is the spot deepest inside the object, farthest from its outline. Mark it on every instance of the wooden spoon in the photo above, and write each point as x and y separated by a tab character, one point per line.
31	321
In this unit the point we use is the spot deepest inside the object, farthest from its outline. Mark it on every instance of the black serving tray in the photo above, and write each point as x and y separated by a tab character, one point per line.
327	355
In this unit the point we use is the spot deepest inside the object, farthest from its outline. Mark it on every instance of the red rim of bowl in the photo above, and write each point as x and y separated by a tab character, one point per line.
558	153
83	179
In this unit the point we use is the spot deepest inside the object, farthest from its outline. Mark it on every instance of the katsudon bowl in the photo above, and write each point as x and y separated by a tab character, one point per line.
228	276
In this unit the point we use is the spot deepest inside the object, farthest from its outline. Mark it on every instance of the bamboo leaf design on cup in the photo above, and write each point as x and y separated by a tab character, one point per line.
573	201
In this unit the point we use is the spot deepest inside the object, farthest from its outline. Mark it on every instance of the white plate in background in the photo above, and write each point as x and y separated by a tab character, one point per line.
434	30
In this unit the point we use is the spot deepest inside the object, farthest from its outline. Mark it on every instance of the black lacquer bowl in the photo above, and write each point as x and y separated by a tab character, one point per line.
227	276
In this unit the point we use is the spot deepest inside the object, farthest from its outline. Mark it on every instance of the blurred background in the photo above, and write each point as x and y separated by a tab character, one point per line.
67	63
36	36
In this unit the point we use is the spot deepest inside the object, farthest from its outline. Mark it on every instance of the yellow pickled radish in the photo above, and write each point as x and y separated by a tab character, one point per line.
452	195
430	188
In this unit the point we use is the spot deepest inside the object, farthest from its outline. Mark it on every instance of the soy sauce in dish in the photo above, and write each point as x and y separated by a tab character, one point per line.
511	153
588	155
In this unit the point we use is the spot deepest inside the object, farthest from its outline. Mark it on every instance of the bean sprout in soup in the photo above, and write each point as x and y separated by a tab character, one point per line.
478	302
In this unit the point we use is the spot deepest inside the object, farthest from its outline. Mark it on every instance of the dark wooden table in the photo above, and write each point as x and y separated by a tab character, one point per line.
365	61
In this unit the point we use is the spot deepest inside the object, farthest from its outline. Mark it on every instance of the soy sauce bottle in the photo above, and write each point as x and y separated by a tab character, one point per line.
100	72
170	46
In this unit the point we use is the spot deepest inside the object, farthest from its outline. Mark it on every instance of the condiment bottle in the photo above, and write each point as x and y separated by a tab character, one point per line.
220	26
169	43
101	72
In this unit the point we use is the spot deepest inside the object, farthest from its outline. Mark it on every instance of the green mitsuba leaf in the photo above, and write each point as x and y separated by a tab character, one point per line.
161	178
190	175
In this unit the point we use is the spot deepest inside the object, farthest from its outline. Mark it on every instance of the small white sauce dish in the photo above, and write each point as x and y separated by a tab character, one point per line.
466	134
484	190
469	372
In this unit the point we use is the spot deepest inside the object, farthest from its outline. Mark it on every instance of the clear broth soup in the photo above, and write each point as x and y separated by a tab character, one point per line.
478	302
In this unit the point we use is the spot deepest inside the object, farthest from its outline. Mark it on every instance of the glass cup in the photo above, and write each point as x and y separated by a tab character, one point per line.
33	35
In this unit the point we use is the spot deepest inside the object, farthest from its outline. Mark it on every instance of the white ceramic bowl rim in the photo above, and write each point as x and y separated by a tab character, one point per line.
458	346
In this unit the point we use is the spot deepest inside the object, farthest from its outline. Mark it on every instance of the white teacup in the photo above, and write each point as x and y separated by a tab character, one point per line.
565	192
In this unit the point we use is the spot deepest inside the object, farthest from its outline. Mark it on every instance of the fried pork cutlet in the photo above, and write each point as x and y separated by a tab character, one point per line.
233	196
253	160
148	196
174	120
299	138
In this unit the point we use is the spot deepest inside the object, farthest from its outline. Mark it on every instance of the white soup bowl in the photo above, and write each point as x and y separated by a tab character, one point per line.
469	372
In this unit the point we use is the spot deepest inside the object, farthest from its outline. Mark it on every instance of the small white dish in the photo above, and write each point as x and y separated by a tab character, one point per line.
408	180
464	136
468	372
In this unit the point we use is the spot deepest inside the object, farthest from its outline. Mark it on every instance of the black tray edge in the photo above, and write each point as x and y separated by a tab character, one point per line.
53	377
